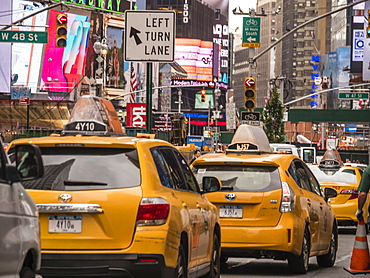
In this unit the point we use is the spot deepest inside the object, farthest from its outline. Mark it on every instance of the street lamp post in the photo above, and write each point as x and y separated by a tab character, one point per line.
101	49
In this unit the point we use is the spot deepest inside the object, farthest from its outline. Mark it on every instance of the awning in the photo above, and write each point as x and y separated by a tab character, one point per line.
176	70
40	116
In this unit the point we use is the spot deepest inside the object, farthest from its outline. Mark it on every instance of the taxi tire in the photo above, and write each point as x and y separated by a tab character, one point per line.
182	268
328	259
26	272
299	264
215	268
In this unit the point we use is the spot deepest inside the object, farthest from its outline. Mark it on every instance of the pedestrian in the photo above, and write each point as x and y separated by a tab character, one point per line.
196	155
363	190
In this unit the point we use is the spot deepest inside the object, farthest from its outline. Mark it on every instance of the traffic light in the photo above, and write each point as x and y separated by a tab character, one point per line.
61	30
203	95
250	92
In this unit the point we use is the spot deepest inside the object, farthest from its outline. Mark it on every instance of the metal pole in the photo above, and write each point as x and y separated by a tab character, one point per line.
180	94
28	118
304	24
252	13
282	90
209	115
149	77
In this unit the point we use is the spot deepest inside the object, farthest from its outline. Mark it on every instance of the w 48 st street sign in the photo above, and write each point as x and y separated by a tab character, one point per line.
23	36
251	32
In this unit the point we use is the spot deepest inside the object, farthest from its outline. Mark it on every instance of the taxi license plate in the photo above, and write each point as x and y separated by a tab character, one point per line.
65	224
231	211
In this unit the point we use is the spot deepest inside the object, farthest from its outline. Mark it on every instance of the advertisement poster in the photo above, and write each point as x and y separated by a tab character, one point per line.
115	66
26	57
136	115
63	68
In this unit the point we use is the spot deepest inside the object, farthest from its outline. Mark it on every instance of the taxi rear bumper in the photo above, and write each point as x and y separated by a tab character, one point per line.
104	265
259	242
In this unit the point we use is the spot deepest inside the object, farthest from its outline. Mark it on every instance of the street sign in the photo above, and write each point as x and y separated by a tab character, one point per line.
251	32
249	82
318	80
353	95
230	116
150	36
24	101
23	36
250	118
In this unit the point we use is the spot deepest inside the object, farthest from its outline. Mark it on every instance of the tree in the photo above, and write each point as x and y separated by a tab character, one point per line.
272	118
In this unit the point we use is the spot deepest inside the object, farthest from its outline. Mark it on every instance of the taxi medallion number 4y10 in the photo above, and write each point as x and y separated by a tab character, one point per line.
231	211
65	224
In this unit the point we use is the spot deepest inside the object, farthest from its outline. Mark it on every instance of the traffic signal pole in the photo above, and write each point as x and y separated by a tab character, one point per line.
304	24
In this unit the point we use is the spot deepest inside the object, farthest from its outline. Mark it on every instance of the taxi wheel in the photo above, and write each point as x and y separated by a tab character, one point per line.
299	264
181	268
215	263
328	259
26	272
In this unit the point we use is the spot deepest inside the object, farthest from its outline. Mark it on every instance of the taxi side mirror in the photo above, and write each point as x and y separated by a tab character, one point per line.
211	184
330	193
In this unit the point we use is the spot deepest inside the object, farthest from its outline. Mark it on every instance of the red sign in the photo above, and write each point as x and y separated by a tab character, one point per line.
249	82
24	100
136	115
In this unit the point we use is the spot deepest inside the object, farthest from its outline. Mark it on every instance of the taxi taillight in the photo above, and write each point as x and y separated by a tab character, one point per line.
352	192
287	198
152	212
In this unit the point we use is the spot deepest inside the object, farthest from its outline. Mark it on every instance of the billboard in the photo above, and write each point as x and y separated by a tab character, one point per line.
195	57
209	103
26	57
115	63
63	68
136	115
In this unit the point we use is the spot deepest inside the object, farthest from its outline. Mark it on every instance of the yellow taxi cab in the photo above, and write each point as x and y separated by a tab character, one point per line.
270	205
120	206
345	179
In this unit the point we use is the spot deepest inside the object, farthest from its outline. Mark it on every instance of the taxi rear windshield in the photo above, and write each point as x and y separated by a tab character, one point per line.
72	169
241	178
334	175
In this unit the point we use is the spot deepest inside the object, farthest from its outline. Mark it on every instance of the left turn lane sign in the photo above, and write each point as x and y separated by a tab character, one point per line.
150	36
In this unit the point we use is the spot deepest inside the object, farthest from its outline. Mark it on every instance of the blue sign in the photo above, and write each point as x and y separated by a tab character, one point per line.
19	91
199	141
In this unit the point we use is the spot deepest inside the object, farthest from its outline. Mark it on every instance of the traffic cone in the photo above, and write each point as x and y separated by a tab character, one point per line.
360	261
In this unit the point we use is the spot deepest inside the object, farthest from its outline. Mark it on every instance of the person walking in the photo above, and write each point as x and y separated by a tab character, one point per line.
196	155
363	190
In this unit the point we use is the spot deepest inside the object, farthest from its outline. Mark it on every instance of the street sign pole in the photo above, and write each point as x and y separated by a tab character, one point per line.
149	77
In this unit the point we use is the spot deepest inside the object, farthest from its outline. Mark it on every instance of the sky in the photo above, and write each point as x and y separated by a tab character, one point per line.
237	20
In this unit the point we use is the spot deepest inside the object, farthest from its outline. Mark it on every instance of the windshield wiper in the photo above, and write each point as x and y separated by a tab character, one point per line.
77	183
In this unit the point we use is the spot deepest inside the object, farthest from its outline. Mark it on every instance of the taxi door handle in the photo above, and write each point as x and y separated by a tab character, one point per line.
184	205
321	205
309	202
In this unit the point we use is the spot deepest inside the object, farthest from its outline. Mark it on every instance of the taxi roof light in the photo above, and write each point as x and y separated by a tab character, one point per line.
249	138
331	159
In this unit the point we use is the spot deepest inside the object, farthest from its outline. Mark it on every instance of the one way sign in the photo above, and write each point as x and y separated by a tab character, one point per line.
150	36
